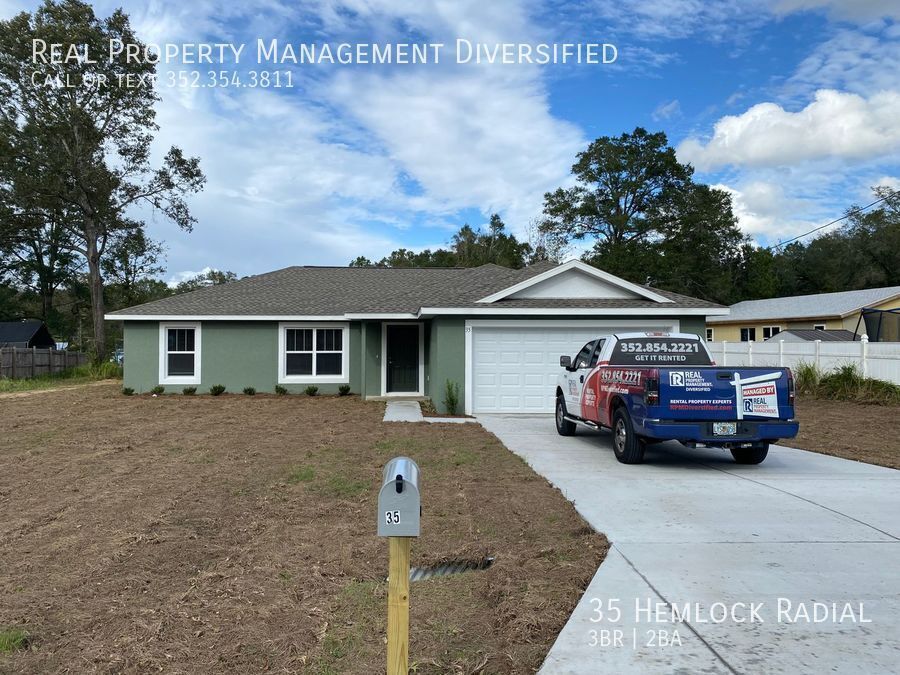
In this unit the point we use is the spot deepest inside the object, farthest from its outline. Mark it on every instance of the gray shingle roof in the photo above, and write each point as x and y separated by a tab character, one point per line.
808	306
335	291
831	335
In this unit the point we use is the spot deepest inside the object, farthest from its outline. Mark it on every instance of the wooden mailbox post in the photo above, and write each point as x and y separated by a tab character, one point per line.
399	512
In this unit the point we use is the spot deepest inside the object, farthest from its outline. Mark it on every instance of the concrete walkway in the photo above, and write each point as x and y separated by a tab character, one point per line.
691	528
403	411
411	411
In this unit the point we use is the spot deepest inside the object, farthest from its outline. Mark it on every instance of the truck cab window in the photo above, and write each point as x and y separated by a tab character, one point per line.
584	356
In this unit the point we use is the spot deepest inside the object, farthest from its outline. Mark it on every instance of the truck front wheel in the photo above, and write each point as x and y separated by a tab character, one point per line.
563	426
628	446
754	455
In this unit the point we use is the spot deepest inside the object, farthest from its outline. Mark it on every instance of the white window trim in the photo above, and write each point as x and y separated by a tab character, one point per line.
421	390
771	334
816	326
473	324
710	334
284	378
164	352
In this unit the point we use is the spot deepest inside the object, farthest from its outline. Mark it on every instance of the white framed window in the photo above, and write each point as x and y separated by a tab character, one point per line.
179	353
770	331
313	352
709	334
819	326
748	334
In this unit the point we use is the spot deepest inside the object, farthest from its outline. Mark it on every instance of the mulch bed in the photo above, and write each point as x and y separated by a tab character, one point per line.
237	534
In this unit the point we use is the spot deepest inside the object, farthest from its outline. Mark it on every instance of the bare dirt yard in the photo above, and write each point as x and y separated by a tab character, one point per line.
865	433
237	534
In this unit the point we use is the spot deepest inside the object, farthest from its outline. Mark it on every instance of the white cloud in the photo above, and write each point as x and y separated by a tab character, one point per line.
834	125
476	137
892	182
764	210
858	61
853	10
678	19
666	111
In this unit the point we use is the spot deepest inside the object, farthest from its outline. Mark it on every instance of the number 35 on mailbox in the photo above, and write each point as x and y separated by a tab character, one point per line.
399	506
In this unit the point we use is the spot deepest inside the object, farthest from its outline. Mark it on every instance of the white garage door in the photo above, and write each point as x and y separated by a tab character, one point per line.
514	368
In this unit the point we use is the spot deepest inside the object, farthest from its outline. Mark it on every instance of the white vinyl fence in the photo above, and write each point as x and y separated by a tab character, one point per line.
880	360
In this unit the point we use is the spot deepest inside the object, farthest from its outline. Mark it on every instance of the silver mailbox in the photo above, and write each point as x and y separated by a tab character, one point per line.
399	506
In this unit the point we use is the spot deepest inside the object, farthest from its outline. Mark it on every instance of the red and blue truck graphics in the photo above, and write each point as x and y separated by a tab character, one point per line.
650	387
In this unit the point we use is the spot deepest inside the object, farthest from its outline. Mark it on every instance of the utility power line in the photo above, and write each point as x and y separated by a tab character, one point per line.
851	212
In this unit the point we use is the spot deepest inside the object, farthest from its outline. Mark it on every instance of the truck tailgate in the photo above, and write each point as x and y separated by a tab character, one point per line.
724	394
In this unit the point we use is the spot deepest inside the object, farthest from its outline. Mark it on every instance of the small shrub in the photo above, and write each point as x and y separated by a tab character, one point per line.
189	391
806	378
344	389
281	391
312	390
250	391
128	391
157	390
12	639
217	389
451	396
846	383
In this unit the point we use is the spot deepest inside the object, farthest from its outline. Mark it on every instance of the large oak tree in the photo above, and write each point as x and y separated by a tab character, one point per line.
84	150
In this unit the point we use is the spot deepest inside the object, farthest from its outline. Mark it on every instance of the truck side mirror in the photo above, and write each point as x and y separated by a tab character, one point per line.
565	362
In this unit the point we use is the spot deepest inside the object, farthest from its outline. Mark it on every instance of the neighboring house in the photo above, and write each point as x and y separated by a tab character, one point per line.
800	335
496	332
759	320
26	334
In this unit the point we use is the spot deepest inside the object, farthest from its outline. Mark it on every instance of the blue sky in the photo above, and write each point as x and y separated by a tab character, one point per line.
791	105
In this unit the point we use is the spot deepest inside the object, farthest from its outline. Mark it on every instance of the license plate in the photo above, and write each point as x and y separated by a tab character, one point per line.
724	428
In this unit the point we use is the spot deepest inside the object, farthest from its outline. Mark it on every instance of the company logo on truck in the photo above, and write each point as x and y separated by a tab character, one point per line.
691	380
757	395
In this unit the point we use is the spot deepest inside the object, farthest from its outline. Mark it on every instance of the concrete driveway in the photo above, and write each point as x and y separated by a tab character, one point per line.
744	552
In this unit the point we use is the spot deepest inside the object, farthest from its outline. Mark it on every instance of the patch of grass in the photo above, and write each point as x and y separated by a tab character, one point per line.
806	378
400	446
217	389
12	639
463	456
77	375
301	474
846	383
342	486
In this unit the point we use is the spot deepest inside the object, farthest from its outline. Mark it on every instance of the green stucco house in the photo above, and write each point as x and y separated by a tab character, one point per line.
496	332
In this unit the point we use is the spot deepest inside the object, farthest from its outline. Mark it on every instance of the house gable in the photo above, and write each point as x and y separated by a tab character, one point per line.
575	280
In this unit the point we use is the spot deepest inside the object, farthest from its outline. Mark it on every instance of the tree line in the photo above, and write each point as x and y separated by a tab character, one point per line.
76	168
637	212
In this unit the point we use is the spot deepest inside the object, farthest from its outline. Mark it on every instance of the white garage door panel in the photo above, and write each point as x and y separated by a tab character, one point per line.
514	368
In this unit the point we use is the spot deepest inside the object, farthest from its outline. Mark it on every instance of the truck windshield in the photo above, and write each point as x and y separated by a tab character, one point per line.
659	351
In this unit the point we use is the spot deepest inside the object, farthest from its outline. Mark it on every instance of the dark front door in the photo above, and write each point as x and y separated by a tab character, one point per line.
402	358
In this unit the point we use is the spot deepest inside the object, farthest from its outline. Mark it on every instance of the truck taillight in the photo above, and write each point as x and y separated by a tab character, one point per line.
651	391
791	392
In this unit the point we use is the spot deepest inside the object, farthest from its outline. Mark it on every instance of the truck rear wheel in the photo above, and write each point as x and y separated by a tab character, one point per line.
754	455
628	446
563	426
